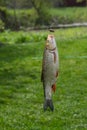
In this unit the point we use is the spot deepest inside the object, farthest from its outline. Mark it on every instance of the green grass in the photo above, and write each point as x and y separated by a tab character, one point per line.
27	17
69	15
21	91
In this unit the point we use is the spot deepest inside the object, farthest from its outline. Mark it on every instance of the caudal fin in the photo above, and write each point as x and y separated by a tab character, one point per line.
48	104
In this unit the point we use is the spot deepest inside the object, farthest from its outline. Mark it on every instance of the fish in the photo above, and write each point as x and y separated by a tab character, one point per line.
50	71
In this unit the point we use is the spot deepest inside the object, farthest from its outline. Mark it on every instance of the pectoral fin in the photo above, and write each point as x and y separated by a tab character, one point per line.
53	87
57	74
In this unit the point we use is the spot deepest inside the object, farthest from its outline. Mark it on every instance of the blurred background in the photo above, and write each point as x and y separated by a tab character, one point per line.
21	53
20	14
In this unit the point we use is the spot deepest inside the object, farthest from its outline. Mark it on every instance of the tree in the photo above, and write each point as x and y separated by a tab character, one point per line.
14	4
81	2
2	3
41	8
58	3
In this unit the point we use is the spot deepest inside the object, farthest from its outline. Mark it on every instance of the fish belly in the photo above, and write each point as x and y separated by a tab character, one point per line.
49	69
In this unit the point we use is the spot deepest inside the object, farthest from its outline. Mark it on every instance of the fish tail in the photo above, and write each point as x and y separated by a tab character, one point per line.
48	104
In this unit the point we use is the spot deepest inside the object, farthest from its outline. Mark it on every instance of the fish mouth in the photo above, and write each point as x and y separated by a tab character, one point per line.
48	104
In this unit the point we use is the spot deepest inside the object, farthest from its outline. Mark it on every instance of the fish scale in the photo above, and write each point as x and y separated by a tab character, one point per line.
50	70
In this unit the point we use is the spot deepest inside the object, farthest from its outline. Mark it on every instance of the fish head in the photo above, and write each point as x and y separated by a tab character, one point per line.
51	43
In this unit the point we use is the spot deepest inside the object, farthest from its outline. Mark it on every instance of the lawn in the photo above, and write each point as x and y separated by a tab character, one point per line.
27	17
69	15
21	91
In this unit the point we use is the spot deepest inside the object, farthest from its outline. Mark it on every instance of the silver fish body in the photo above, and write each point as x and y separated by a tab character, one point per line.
50	70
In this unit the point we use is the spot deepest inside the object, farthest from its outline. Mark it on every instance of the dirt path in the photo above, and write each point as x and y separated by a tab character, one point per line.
59	26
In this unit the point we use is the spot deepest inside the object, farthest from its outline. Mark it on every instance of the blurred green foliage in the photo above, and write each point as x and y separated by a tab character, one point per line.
41	13
2	26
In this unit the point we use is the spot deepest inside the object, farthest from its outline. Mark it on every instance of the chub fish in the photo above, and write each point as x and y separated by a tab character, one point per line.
50	70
